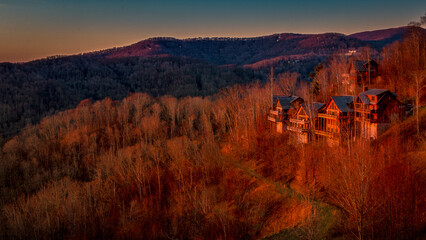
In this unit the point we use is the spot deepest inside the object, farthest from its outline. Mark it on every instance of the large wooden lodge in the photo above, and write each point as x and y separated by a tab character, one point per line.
305	117
336	119
342	118
374	111
283	107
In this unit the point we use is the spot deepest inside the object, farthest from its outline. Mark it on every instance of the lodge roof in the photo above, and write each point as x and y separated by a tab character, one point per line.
371	92
359	66
313	106
362	66
364	98
342	103
374	91
285	101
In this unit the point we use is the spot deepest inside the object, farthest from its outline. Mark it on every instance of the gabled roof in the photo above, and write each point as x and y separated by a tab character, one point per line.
314	106
362	66
285	101
364	98
342	103
359	65
372	92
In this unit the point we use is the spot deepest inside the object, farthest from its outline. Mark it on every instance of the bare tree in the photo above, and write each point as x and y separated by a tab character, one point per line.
339	65
353	189
287	83
417	49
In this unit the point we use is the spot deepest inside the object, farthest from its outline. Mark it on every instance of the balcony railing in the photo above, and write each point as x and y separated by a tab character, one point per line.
296	129
299	121
329	116
276	119
276	112
324	133
364	110
366	119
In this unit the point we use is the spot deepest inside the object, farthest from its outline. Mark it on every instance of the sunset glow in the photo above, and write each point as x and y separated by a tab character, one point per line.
32	29
215	120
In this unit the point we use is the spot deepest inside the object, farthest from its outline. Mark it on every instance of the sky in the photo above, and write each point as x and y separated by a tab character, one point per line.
32	29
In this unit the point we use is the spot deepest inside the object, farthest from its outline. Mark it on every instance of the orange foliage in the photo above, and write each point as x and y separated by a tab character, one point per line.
198	168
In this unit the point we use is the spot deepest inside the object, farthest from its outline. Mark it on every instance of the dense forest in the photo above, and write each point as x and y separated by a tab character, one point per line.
33	90
36	89
240	51
191	67
164	165
205	168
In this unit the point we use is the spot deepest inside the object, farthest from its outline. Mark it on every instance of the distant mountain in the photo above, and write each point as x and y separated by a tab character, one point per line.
379	38
160	66
238	51
377	35
247	51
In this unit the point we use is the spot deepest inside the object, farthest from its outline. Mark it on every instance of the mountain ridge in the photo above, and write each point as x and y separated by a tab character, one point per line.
246	51
161	66
238	51
376	35
250	50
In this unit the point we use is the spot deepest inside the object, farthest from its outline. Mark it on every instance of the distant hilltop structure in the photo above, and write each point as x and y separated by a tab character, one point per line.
351	52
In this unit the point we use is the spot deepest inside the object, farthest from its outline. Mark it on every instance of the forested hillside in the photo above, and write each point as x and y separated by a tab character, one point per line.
33	90
159	66
204	168
240	51
380	38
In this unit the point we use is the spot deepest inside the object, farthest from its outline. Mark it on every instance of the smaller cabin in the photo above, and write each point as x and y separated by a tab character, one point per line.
335	119
360	73
304	122
283	107
375	109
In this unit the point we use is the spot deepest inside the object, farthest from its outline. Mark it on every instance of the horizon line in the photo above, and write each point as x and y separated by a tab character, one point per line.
216	37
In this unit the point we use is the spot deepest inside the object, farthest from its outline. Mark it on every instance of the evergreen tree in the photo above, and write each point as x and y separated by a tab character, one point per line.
315	85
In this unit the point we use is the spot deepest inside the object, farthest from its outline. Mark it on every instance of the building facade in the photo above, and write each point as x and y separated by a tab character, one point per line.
360	74
283	107
335	120
303	124
342	118
375	109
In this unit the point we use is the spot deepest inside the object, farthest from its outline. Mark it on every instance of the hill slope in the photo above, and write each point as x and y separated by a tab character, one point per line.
239	51
242	51
381	37
201	168
377	35
160	66
140	168
33	90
